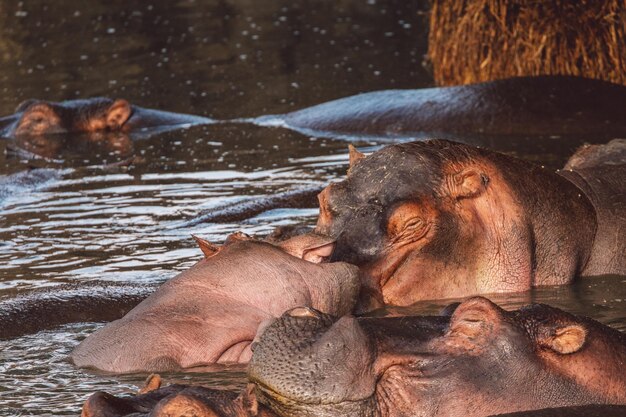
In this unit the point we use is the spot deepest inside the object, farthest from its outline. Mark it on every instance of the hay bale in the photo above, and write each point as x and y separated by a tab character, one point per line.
482	40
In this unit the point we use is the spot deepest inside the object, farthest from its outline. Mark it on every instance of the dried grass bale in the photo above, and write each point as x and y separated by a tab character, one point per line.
482	40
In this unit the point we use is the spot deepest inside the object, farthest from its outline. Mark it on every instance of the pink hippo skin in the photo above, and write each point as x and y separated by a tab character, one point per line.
211	312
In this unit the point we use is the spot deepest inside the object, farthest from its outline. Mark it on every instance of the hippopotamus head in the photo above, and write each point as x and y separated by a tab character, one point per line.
438	219
475	360
211	312
97	114
37	117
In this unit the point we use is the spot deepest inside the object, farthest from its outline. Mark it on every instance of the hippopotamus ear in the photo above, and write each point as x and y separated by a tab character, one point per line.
474	316
208	248
118	114
311	247
564	339
354	157
237	237
467	183
153	382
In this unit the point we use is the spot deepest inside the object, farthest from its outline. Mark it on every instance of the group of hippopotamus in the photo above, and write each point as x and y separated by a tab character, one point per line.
423	220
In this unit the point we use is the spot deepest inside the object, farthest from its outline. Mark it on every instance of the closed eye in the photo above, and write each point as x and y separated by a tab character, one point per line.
412	231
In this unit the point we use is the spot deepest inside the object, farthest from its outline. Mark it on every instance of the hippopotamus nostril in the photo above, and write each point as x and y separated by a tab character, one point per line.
304	312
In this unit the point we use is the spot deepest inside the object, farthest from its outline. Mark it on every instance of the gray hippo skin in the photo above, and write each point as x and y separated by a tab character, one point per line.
600	172
37	117
477	360
542	105
211	312
438	219
68	303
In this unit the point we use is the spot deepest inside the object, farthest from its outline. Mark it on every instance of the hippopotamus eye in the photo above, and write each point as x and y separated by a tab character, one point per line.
406	223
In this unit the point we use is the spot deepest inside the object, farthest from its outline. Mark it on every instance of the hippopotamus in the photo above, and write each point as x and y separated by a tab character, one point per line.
46	308
176	400
539	105
37	117
211	312
438	219
476	359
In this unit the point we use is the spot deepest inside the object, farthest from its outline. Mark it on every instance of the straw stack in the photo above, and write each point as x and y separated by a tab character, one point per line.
480	40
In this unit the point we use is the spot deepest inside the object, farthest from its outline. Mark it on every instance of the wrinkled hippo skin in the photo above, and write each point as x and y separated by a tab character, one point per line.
476	360
600	171
36	117
47	308
211	312
542	105
438	219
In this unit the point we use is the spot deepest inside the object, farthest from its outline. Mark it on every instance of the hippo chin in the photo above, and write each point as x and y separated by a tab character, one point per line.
211	312
37	117
541	105
478	361
438	219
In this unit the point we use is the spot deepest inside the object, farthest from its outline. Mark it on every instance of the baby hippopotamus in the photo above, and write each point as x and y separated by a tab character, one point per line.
37	117
211	312
479	361
476	359
438	219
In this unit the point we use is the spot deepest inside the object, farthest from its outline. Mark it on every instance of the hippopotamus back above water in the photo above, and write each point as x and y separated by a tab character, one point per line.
37	117
541	105
438	219
211	312
478	361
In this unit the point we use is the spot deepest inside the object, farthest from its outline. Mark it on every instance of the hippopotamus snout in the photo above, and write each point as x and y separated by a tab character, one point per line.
311	357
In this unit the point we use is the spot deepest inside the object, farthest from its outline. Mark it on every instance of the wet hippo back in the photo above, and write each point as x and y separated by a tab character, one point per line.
524	105
600	172
47	308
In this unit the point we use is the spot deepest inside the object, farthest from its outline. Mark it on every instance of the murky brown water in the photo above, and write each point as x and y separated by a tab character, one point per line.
76	221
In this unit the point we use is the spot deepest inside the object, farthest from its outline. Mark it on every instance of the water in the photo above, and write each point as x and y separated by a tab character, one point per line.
73	219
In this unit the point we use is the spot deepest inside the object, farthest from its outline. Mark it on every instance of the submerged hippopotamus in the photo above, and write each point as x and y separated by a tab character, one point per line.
36	117
438	219
474	360
175	400
478	361
211	312
540	105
